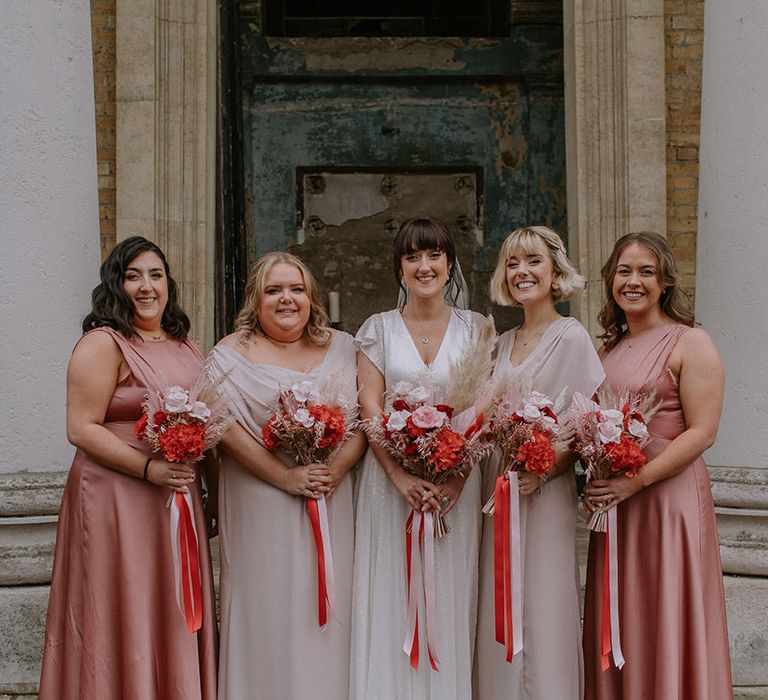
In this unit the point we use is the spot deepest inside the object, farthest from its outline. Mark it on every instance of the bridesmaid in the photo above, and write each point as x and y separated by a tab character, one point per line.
271	644
671	604
113	628
553	355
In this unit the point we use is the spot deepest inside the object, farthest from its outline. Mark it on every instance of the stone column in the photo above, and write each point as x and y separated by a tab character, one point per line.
49	264
615	137
166	108
731	273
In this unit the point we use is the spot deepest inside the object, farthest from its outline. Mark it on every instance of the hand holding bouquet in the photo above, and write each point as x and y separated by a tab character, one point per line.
609	436
310	431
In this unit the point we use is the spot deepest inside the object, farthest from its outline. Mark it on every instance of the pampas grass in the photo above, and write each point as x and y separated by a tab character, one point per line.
469	383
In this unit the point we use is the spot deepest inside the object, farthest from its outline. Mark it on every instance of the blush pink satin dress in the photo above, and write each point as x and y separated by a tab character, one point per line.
672	610
113	629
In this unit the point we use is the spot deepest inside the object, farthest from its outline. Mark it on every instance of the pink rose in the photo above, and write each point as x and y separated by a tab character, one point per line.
428	417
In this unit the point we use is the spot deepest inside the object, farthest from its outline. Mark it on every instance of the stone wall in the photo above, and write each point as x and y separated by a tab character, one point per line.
103	38
684	37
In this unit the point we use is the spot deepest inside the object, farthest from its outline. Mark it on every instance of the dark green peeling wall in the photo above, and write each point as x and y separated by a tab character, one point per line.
397	106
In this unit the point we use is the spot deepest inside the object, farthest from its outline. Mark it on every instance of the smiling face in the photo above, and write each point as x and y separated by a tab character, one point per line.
146	285
530	273
284	306
425	272
636	286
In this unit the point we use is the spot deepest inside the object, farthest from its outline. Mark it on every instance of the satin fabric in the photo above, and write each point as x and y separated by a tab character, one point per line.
113	628
672	611
271	645
550	664
380	669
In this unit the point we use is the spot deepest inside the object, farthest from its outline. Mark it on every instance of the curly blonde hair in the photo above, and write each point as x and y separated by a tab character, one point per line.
566	280
247	321
675	302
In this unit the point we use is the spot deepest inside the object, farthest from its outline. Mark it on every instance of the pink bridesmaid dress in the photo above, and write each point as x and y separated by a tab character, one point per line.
113	629
671	604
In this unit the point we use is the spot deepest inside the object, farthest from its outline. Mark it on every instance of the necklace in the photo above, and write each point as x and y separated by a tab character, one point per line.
282	343
425	340
161	336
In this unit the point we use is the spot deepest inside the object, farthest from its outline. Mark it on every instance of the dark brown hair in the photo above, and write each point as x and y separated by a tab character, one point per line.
111	306
675	302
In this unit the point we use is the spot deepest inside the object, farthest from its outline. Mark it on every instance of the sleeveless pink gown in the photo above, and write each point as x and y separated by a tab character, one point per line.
113	629
672	609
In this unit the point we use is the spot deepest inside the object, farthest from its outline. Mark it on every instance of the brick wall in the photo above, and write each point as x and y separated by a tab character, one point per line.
103	37
684	34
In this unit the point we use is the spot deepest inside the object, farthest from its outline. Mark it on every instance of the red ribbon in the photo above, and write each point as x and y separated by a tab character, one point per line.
323	600
502	573
191	588
610	635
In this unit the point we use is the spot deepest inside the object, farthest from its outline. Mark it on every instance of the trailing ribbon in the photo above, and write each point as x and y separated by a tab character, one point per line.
420	558
186	561
507	565
610	634
318	518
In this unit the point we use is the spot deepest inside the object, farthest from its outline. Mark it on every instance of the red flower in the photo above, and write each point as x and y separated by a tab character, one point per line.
448	451
182	443
270	442
448	410
537	454
159	418
400	405
625	455
141	426
412	429
335	425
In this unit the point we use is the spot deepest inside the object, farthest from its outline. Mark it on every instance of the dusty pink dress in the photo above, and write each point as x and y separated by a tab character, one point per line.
671	604
113	629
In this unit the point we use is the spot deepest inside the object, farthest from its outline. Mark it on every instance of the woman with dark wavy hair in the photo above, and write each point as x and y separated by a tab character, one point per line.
670	585
113	628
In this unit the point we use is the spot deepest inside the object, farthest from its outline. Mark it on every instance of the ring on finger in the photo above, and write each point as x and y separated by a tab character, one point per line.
444	501
173	475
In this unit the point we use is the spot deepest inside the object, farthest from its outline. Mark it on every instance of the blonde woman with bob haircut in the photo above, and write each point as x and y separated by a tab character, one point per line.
271	644
553	355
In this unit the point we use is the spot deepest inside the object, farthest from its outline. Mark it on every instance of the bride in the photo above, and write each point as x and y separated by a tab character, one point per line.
413	343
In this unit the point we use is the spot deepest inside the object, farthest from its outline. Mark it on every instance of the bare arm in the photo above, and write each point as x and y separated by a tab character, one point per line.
92	377
701	382
410	487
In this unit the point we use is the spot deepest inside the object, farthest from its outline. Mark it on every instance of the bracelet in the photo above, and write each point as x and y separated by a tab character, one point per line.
285	480
146	468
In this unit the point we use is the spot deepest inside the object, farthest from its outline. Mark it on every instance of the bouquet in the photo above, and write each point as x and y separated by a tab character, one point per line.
524	431
181	425
310	431
523	427
609	436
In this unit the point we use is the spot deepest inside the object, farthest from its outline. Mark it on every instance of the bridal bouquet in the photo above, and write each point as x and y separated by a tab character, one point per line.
524	431
310	431
523	427
609	436
181	424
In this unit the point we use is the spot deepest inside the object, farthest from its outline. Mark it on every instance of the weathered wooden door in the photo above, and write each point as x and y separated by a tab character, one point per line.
345	137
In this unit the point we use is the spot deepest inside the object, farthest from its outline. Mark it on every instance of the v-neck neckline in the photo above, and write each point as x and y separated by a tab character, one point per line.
415	347
508	352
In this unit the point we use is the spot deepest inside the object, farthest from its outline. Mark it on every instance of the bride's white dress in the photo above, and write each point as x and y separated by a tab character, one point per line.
379	668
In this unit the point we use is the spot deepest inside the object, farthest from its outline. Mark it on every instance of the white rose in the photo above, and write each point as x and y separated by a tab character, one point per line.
401	388
637	428
200	410
610	415
609	432
531	412
177	400
539	400
304	392
418	395
396	420
304	417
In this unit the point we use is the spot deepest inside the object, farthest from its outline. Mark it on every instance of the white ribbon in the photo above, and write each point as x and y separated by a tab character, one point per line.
613	574
325	536
429	585
174	525
516	573
413	588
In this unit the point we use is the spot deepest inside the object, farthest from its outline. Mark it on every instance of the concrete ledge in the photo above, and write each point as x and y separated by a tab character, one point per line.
739	487
743	534
31	493
22	629
26	549
745	599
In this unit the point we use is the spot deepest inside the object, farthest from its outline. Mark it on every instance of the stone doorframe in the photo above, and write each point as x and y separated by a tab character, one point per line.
166	115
